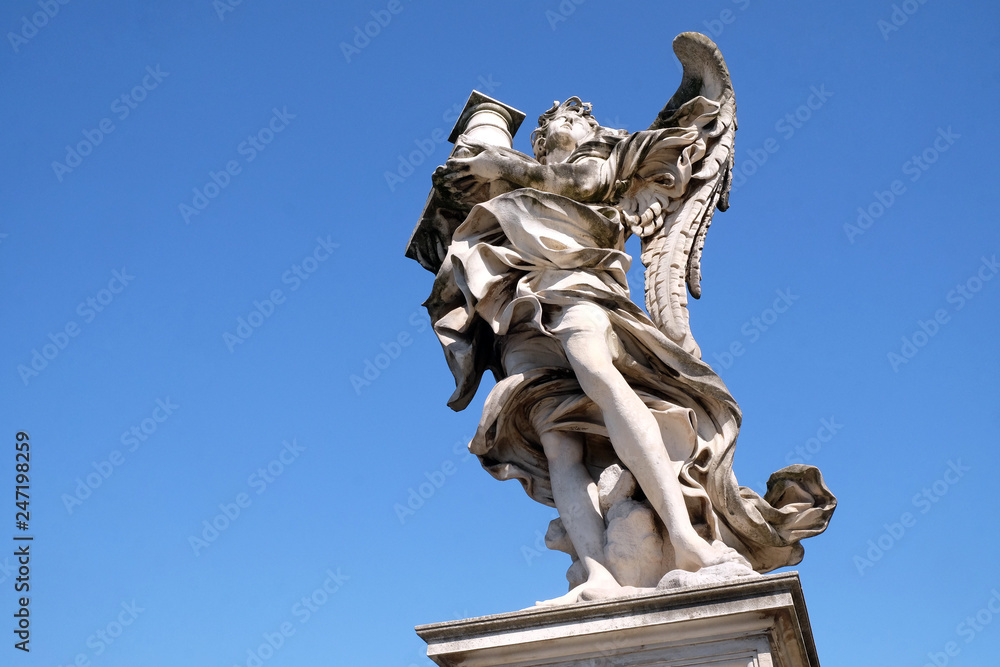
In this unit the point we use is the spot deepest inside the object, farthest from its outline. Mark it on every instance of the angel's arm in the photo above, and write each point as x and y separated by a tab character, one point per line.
583	180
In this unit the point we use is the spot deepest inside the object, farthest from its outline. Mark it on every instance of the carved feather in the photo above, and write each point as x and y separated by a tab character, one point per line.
685	175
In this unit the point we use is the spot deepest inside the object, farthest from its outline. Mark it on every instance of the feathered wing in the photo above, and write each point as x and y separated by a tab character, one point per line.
677	173
674	175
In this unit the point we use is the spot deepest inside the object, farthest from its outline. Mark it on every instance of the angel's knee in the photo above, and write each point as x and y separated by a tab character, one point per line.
584	320
562	449
584	331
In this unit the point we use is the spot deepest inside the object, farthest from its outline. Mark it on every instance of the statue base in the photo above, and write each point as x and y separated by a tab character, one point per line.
758	622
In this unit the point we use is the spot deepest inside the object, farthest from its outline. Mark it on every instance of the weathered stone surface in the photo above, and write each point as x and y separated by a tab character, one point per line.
714	574
760	622
634	549
616	484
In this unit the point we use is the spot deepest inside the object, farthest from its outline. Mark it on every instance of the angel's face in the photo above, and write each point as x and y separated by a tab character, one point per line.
566	130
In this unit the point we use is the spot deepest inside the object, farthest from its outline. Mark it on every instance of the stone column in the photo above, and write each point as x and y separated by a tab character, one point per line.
491	122
487	120
483	119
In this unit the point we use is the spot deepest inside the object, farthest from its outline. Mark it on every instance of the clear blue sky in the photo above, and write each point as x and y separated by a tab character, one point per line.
173	169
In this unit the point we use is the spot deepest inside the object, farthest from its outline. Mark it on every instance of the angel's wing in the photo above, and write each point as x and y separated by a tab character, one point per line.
681	171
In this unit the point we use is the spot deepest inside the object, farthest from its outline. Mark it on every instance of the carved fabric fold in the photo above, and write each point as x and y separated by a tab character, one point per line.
515	262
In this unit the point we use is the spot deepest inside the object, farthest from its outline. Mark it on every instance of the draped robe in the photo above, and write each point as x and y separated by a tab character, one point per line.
514	263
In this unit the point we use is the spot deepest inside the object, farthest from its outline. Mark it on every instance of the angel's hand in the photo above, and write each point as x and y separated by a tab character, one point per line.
468	146
486	162
461	173
453	183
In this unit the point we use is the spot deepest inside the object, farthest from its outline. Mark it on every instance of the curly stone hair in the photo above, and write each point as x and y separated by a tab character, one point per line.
573	104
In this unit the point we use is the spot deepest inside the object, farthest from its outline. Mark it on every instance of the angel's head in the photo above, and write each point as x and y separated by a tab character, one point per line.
563	128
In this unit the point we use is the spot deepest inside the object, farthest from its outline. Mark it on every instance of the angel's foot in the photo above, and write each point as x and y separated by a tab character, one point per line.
696	554
599	587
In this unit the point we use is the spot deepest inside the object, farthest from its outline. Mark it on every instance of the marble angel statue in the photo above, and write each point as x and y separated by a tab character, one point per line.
600	410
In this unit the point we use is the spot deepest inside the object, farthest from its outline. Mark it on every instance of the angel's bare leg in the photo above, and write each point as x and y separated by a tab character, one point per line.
633	431
575	494
573	488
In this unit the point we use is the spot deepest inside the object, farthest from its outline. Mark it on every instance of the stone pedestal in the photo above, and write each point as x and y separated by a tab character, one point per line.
753	622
